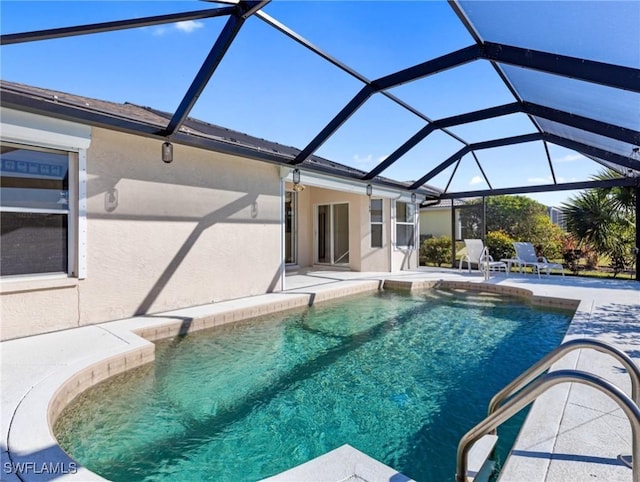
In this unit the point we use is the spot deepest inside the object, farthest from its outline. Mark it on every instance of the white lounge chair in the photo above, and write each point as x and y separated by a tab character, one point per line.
478	254
526	255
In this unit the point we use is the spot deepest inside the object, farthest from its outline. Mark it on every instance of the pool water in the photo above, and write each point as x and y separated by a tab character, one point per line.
398	376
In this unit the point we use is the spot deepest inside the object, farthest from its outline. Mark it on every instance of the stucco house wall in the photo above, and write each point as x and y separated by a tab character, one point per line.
375	259
304	228
204	228
436	222
146	236
328	196
362	257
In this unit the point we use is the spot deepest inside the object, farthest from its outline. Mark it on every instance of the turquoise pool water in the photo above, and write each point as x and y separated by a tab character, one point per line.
398	376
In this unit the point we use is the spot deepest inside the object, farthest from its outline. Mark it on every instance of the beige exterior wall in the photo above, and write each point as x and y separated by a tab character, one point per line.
159	237
308	200
202	229
305	227
375	259
436	222
38	306
327	196
362	256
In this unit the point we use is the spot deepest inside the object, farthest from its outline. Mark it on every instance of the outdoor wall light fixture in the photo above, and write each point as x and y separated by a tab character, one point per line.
297	187
635	153
111	200
369	190
167	152
413	197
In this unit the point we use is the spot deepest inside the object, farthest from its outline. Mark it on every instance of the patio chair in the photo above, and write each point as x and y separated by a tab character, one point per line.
478	254
526	255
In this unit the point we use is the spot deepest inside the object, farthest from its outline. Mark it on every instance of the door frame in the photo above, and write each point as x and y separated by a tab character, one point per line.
316	234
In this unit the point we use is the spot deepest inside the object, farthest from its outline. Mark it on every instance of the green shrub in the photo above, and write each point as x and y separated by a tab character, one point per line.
571	254
436	250
549	243
620	251
424	237
500	245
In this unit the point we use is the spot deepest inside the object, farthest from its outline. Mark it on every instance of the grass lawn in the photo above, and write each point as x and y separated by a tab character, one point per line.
601	272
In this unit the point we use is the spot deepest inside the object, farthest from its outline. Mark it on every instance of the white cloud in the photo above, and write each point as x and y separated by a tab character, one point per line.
189	26
476	180
569	158
159	31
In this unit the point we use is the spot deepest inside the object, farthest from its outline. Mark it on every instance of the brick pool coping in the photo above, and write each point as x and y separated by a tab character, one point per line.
100	351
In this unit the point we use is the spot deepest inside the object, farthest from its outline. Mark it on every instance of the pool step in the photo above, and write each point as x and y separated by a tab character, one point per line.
348	464
479	467
344	464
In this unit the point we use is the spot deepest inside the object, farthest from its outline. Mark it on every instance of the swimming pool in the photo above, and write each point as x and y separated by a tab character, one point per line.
398	376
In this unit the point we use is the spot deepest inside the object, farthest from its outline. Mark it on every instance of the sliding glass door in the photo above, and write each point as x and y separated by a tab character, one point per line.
332	234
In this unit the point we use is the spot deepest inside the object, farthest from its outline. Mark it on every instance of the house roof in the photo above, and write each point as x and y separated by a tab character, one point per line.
141	120
444	204
577	91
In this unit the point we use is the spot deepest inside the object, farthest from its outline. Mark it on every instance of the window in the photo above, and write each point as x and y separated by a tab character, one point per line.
34	194
405	224
375	214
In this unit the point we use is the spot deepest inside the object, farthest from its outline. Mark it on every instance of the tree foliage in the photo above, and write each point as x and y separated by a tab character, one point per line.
519	218
603	220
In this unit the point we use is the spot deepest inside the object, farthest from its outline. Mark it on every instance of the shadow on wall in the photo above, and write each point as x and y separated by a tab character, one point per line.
406	260
204	223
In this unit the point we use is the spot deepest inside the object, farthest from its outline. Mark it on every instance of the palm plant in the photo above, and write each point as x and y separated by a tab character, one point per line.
603	219
590	217
622	197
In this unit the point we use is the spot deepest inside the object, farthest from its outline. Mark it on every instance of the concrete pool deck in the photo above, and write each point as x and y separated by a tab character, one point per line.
572	433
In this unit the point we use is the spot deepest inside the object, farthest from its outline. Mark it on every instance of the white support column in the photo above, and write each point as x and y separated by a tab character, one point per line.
282	234
82	215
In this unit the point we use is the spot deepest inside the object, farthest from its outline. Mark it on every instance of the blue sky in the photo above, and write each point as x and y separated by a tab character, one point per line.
271	87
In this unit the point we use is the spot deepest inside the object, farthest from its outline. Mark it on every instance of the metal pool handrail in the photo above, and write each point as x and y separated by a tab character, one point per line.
529	393
549	359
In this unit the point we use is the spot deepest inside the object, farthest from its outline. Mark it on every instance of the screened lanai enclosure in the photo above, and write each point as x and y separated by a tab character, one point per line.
447	100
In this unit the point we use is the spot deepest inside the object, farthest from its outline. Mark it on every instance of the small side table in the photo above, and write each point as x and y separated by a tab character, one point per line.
513	262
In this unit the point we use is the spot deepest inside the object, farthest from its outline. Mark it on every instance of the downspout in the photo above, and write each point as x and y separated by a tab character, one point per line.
282	228
453	234
392	213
